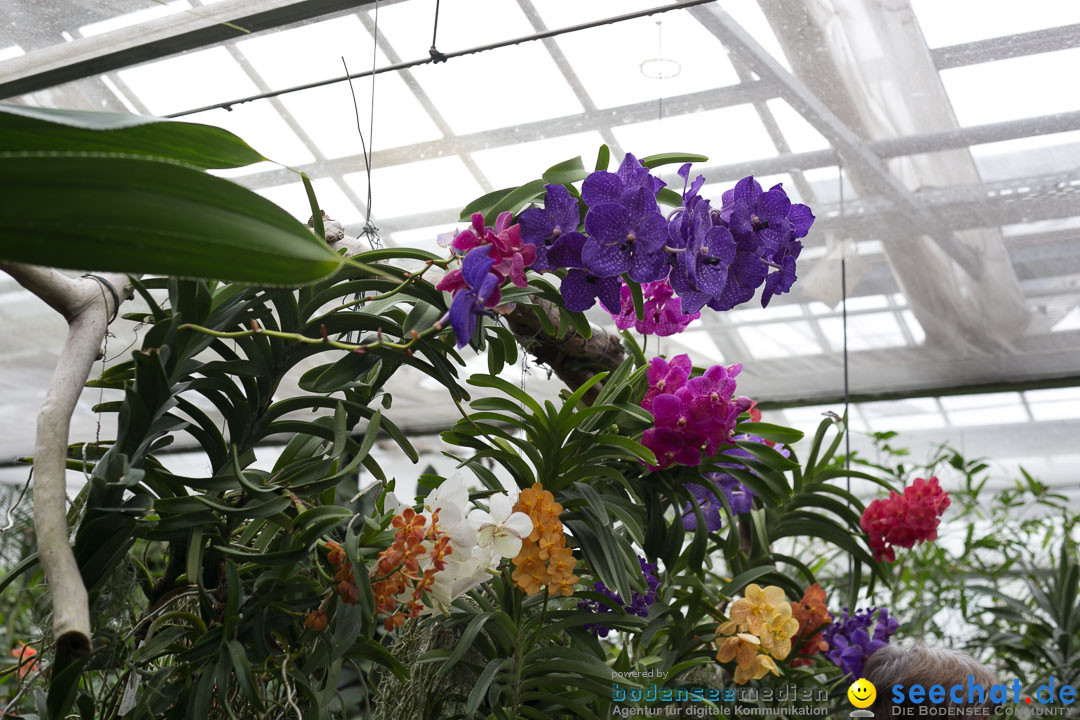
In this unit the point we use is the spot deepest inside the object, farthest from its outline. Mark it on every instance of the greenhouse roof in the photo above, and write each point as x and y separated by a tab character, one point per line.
938	142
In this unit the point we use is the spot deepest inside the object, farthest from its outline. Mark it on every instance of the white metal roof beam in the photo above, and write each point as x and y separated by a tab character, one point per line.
117	49
599	120
953	139
870	167
1010	46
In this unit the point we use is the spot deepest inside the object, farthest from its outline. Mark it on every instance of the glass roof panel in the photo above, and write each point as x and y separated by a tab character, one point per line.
985	409
167	86
517	164
699	342
424	237
463	24
908	414
293	198
1019	87
613	61
951	22
1056	404
34	25
1024	157
564	13
328	116
11	51
484	92
397	190
264	129
712	132
164	9
865	332
321	45
800	135
784	339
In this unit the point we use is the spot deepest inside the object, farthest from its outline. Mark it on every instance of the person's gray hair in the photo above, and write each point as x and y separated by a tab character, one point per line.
926	666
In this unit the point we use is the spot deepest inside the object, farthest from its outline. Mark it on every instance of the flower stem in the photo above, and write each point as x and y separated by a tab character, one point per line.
390	293
256	330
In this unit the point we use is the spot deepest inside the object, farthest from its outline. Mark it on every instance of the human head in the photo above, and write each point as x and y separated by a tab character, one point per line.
925	666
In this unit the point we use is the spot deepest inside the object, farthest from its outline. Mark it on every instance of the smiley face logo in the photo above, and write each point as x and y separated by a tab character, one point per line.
862	693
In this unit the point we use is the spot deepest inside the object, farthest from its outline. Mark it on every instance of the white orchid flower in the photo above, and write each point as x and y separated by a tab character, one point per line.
391	504
501	529
452	493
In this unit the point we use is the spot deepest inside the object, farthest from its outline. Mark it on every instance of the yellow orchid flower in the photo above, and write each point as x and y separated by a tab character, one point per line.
742	648
777	632
758	668
756	607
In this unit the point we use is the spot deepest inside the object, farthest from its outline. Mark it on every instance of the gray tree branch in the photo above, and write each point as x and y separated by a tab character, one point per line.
87	307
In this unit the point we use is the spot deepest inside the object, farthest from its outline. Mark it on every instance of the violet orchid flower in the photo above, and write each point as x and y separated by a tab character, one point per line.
480	284
626	236
551	228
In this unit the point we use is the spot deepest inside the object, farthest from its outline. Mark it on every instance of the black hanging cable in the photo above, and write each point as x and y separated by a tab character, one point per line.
660	71
370	231
436	56
847	393
843	308
229	104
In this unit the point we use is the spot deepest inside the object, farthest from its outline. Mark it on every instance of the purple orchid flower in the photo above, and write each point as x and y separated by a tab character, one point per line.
780	281
639	602
580	290
850	640
480	284
626	236
740	499
604	187
552	228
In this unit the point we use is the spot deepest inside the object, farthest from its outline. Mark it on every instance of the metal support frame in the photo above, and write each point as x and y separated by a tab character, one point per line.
121	48
1018	45
843	138
596	120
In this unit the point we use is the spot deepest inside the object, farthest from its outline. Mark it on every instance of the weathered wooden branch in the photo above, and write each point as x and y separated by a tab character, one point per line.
573	358
88	306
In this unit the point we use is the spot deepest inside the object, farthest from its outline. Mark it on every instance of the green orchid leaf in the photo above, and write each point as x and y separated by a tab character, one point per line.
129	214
24	128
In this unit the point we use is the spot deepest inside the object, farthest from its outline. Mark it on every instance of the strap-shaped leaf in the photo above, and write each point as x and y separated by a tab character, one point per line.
129	214
29	128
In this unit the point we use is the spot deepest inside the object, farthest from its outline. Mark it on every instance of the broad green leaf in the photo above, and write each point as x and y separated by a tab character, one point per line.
483	203
659	159
566	172
25	128
669	197
515	200
127	214
768	431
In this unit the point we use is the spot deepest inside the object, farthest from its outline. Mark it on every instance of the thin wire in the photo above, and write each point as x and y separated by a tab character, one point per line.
360	132
847	394
371	116
229	104
18	501
660	64
843	306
